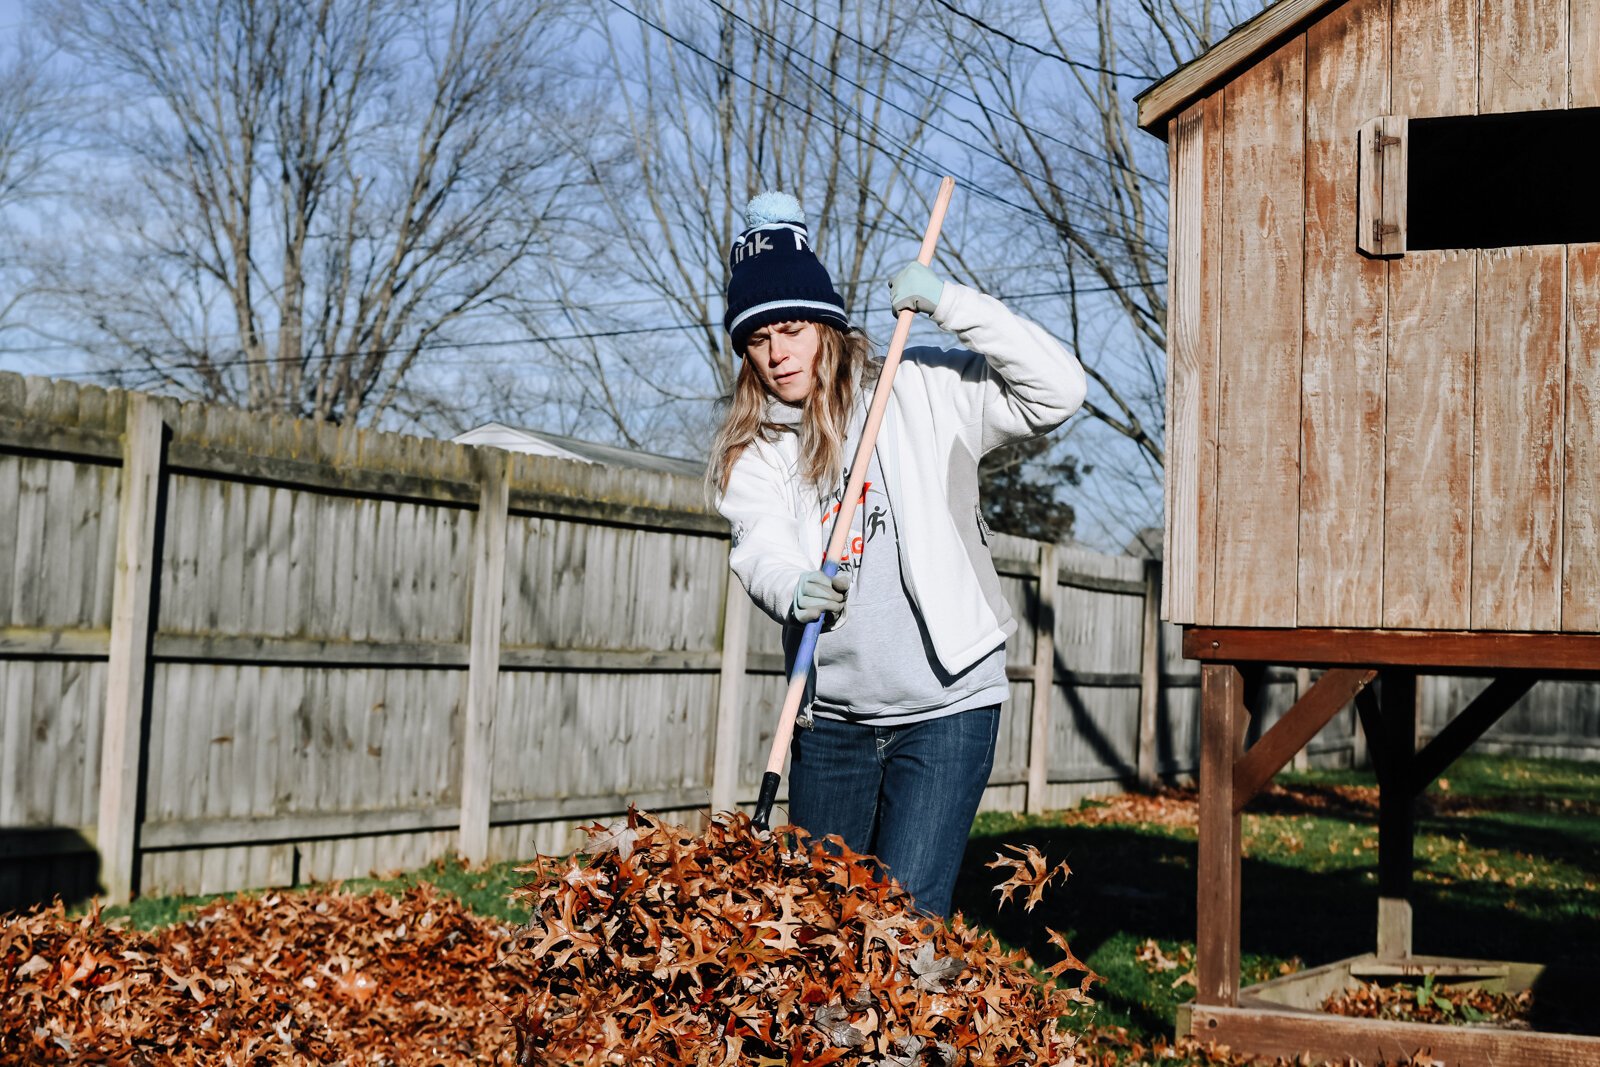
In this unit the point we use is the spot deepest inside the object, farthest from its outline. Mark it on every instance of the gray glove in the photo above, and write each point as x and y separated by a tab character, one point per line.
915	287
816	593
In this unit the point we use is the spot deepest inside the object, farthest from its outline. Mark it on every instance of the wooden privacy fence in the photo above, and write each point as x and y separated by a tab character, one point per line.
238	650
243	651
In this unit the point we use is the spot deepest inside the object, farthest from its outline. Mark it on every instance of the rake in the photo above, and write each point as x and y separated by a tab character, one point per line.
806	653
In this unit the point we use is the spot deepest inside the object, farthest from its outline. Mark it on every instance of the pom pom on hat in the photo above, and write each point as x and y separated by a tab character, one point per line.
766	208
774	275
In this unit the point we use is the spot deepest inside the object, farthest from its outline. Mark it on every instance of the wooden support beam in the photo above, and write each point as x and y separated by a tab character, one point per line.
1222	721
1433	651
1291	1035
1396	804
1149	674
1332	692
128	668
728	729
483	656
1484	711
1044	667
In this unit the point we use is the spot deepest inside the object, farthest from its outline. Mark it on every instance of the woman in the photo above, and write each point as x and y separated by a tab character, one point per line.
896	744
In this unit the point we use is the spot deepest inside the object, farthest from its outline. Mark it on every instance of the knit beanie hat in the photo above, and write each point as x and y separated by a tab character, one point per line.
774	276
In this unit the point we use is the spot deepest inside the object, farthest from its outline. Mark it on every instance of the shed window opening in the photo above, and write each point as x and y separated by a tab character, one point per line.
1495	181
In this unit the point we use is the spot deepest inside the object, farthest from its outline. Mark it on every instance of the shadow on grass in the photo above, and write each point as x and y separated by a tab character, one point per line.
1130	884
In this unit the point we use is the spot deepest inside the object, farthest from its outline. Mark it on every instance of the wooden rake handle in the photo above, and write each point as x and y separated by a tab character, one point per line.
841	523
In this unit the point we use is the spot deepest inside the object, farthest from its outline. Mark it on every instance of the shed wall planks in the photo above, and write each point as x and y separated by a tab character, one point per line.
1580	540
1262	302
1188	361
1430	367
1343	351
1583	74
1517	474
1524	60
1434	57
1427	534
1210	380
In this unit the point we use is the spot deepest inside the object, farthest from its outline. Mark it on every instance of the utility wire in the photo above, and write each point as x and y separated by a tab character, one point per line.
199	340
935	170
958	94
1003	161
1030	46
535	339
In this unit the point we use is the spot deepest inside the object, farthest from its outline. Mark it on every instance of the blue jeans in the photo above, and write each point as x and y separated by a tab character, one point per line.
906	794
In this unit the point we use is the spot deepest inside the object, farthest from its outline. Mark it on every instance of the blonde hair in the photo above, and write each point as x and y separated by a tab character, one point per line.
844	364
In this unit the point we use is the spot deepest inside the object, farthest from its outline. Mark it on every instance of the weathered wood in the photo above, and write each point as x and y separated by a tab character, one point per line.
483	670
724	770
1302	685
1433	68
1262	307
1427	536
1576	653
1383	161
127	677
1209	385
1427	545
1396	806
1331	694
1161	100
1290	1034
1580	532
1524	62
1187	361
1341	382
1149	675
217	832
1218	901
1465	728
1517	473
1583	55
1042	677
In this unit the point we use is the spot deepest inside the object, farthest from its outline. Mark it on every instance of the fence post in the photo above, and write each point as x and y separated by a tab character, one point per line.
1302	686
128	670
1149	673
1044	679
483	657
728	728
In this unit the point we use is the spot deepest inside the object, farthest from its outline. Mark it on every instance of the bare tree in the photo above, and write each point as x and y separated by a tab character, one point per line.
33	127
298	199
712	102
1047	88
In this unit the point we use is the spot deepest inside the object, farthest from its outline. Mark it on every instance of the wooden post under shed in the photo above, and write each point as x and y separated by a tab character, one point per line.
1382	429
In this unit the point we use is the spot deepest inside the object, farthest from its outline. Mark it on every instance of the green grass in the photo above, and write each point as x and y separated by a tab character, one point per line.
485	890
1507	867
1517	877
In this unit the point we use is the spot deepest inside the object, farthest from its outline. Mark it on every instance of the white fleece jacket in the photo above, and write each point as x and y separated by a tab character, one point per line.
948	408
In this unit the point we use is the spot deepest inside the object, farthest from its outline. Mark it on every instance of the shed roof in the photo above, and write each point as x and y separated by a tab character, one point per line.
1222	60
539	442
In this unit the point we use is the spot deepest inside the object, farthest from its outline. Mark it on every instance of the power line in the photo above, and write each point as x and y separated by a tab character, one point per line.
199	340
958	94
884	99
534	339
933	169
1030	46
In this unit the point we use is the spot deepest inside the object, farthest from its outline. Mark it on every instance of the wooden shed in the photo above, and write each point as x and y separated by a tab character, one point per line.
1383	416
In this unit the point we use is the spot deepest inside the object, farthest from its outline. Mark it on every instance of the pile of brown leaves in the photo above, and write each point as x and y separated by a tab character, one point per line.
663	947
291	978
1431	1003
